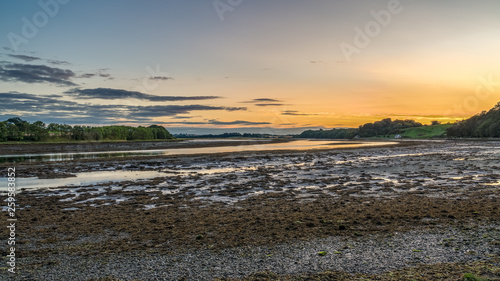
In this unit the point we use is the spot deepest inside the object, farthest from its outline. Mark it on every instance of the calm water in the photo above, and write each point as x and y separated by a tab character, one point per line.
100	177
293	145
87	178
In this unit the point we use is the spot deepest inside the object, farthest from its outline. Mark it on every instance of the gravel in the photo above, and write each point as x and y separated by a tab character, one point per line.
367	254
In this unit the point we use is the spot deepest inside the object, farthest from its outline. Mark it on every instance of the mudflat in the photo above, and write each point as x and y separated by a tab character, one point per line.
418	211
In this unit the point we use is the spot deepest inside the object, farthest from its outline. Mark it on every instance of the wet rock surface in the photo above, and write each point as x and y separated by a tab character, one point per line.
232	215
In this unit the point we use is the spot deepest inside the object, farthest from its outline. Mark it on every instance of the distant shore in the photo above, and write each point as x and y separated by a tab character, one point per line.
83	146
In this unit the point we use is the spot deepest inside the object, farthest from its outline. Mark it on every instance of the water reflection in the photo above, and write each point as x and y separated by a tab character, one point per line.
88	178
293	145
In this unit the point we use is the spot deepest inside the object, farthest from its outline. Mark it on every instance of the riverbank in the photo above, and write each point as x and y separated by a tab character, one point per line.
372	211
75	147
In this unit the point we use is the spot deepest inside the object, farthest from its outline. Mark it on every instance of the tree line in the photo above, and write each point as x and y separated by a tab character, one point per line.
379	128
223	135
16	129
483	125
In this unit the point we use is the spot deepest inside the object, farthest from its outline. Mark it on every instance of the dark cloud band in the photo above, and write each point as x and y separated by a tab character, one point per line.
117	94
30	73
24	58
263	100
54	106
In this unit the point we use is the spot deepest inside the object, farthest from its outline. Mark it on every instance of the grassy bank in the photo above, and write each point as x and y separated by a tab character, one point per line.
424	132
435	131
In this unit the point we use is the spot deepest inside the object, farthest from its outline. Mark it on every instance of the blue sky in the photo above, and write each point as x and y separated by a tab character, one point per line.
426	63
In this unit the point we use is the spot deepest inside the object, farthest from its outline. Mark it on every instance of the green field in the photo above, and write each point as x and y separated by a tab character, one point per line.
425	132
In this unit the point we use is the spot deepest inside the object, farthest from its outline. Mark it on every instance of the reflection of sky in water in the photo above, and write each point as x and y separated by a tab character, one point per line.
367	173
293	145
85	179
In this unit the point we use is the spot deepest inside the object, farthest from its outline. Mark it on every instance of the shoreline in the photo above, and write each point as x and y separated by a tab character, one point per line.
36	148
226	213
66	168
17	149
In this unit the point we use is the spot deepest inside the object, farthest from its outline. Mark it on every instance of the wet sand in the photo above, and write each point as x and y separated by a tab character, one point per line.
234	215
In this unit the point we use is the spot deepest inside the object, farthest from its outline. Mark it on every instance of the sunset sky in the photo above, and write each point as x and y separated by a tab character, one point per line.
248	63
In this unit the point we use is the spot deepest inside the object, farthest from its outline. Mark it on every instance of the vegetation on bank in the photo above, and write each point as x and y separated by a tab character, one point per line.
424	132
483	125
16	129
223	136
382	129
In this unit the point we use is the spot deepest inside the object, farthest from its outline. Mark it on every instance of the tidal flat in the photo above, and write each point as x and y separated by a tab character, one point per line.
372	213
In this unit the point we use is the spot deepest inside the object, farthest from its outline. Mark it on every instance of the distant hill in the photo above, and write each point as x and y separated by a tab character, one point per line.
380	129
483	125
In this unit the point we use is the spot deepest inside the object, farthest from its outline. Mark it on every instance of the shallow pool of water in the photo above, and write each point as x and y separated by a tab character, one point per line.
86	179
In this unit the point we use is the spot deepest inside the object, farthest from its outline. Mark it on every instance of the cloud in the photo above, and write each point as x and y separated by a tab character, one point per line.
265	102
183	123
235	108
161	78
32	58
237	122
58	62
99	73
52	104
52	107
30	73
115	94
105	75
295	113
217	122
13	100
71	120
172	110
261	100
269	104
24	58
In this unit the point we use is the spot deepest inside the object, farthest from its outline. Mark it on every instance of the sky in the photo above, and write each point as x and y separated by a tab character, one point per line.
261	66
